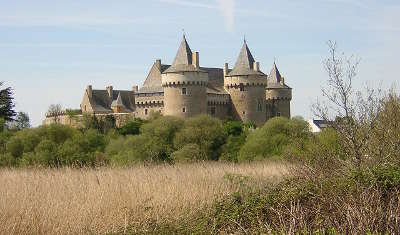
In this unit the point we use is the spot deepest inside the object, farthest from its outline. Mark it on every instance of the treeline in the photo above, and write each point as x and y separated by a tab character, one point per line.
159	139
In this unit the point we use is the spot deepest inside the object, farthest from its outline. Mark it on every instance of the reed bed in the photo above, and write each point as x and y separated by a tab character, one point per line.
108	200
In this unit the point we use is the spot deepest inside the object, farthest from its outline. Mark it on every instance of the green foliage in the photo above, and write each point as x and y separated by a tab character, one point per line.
234	128
205	131
189	153
103	124
7	112
272	139
232	147
131	127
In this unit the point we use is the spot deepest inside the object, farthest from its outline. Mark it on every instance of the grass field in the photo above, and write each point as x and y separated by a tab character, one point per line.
106	200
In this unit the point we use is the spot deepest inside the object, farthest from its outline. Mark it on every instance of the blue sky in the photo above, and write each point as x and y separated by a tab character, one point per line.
50	50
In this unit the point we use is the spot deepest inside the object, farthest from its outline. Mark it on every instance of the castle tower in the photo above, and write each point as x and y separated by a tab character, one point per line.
246	84
184	84
278	95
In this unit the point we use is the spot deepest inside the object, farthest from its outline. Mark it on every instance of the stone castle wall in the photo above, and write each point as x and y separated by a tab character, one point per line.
194	102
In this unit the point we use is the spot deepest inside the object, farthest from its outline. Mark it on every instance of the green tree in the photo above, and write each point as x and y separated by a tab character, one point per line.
271	140
22	121
205	131
6	104
131	127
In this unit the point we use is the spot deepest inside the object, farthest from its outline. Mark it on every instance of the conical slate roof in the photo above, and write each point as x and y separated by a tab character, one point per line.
118	102
274	75
275	78
244	63
183	59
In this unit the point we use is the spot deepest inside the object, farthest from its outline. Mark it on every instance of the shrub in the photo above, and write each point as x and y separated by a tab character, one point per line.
131	127
189	153
15	147
205	131
271	140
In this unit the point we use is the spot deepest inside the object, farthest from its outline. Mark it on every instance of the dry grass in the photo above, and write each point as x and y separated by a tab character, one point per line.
71	201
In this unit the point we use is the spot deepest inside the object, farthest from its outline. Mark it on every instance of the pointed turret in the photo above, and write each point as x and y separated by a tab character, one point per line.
275	80
245	63
274	75
117	105
185	60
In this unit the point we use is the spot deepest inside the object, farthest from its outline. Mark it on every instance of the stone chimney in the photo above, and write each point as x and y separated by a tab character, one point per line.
282	81
226	69
110	92
195	59
89	91
158	64
135	89
256	66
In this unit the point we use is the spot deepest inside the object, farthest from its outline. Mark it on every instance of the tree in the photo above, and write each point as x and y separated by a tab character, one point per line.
55	111
205	131
353	114
6	104
22	121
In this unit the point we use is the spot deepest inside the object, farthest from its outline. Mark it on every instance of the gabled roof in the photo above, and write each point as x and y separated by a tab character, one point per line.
275	78
244	63
152	84
183	60
101	102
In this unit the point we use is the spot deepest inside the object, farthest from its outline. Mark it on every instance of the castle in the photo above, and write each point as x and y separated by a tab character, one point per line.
185	89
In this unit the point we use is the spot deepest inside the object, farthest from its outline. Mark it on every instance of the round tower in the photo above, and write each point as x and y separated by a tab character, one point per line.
278	95
185	84
246	85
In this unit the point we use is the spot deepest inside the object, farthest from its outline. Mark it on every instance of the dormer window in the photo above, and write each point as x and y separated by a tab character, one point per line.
184	91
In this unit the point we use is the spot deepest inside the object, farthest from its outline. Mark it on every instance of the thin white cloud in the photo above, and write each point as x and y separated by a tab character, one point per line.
227	8
62	20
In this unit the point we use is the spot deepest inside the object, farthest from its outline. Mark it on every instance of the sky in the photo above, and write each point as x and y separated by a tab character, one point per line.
50	50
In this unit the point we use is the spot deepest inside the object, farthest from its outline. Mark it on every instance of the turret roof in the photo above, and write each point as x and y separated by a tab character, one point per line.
275	78
118	102
183	59
244	63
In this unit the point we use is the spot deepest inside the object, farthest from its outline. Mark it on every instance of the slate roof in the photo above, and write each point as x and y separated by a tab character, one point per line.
244	63
152	84
274	79
183	60
118	102
101	103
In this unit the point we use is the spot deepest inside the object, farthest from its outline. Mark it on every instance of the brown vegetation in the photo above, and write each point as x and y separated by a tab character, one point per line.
75	201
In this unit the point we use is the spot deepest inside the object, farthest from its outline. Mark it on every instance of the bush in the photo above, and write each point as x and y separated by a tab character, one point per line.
131	127
205	131
271	140
189	153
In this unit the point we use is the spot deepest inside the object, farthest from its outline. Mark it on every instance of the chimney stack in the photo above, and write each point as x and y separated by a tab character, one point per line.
89	91
135	89
110	92
158	64
282	81
226	68
195	59
256	66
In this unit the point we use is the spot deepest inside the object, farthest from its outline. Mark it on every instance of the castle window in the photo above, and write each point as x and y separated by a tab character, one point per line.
259	105
244	112
184	91
183	110
212	111
145	111
241	87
